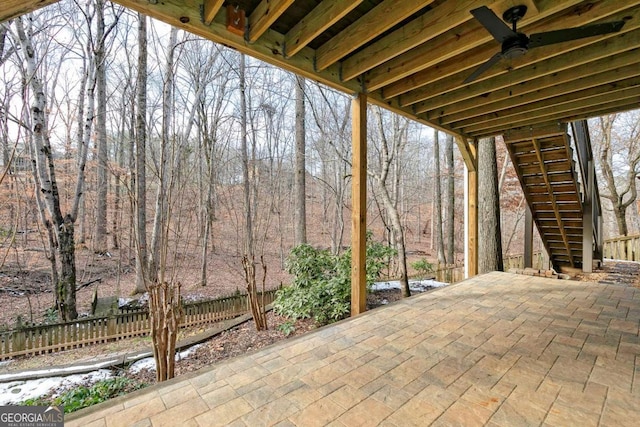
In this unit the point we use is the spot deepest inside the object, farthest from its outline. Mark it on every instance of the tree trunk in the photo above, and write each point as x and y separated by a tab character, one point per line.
165	312
100	243
437	203
620	212
398	232
141	158
387	159
489	233
451	200
248	260
619	185
65	285
246	185
158	243
300	232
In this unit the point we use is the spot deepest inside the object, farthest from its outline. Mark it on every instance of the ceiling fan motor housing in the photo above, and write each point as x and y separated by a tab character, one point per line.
515	47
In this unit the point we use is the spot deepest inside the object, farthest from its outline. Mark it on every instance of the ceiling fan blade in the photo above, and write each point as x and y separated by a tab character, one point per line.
559	36
484	67
498	29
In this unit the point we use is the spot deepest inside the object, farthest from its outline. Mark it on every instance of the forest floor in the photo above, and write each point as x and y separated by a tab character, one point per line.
25	285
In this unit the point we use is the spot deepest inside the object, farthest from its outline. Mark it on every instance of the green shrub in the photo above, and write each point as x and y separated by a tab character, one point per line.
287	328
82	396
321	286
422	267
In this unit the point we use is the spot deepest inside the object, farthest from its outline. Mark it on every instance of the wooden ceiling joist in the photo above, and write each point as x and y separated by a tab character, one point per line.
419	31
317	21
559	109
602	83
615	105
264	15
211	8
380	19
493	100
538	101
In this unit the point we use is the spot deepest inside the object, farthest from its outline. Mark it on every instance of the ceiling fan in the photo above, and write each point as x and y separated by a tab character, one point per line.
515	44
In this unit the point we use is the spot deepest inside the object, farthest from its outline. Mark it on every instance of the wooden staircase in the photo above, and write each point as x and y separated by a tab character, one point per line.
543	160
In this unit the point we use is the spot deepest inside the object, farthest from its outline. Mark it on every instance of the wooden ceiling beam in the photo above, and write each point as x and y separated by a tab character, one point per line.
264	15
525	129
463	65
581	62
553	109
621	66
380	19
460	41
567	116
572	87
211	8
424	28
13	8
607	89
318	20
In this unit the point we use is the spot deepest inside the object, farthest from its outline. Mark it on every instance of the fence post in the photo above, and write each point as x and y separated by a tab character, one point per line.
112	327
19	341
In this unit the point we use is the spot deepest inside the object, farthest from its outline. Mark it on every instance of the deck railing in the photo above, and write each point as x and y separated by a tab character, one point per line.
93	330
624	248
455	273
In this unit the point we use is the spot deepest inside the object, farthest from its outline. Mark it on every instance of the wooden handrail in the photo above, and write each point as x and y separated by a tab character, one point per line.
624	248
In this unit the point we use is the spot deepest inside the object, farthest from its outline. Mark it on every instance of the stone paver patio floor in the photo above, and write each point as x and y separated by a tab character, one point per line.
499	349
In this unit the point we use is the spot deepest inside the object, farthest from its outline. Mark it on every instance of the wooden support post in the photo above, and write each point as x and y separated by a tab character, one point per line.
359	204
471	214
528	238
587	220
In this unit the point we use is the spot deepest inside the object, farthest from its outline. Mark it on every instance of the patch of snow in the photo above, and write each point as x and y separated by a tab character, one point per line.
149	363
414	285
5	362
15	392
134	303
54	371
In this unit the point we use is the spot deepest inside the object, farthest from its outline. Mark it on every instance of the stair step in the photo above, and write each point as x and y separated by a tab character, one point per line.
546	198
558	188
553	167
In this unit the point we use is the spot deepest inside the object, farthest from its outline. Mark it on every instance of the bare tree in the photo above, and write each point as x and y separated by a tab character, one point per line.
437	202
300	230
161	216
100	240
141	156
257	309
618	152
60	227
209	77
390	146
451	200
332	147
